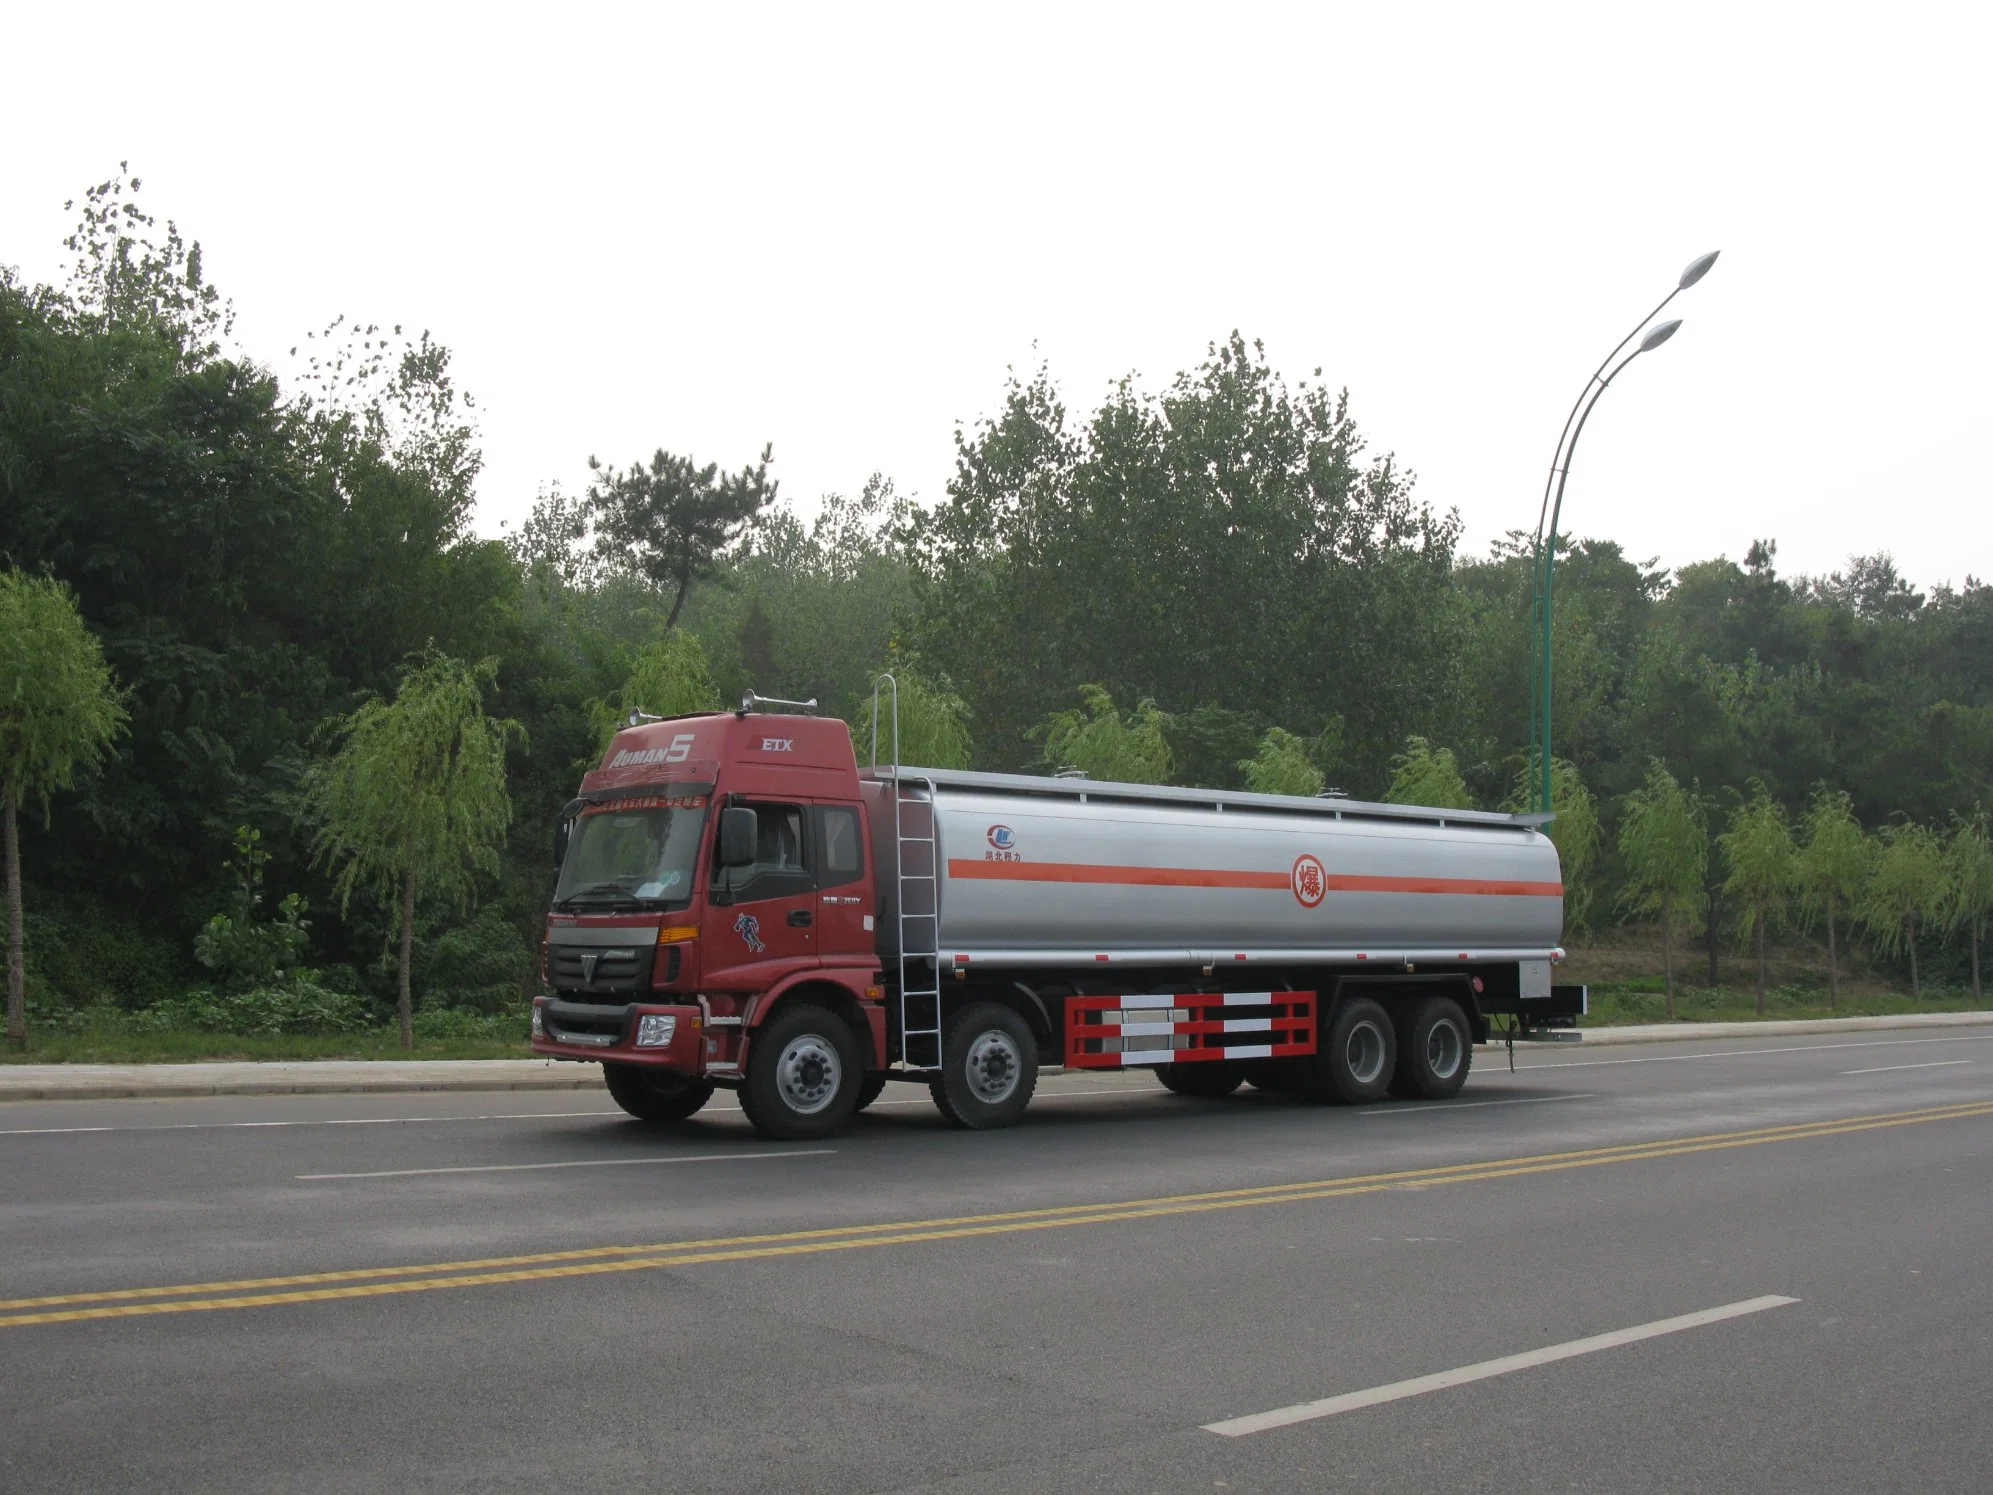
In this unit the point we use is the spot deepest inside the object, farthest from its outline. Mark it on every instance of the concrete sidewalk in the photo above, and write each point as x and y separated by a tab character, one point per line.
336	1076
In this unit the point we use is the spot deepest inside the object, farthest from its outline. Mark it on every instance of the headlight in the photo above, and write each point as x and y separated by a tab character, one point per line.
539	1022
654	1030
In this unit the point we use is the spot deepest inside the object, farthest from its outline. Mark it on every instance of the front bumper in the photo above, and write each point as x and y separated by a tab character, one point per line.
592	1031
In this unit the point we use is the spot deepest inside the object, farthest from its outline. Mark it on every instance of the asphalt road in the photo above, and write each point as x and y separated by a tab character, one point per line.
509	1292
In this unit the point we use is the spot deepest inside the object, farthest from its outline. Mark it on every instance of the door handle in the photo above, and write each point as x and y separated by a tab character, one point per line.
799	918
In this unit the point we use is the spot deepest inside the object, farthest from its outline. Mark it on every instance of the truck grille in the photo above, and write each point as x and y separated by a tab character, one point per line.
596	1026
618	970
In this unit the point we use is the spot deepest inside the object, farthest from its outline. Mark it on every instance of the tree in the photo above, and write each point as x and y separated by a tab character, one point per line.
668	677
1573	830
60	710
1282	766
1664	842
1969	853
1906	889
672	521
1425	775
1759	856
756	638
933	721
1830	870
1098	741
414	800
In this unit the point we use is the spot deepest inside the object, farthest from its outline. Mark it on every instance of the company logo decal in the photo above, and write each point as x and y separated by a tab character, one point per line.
678	752
1003	845
749	929
1309	879
778	744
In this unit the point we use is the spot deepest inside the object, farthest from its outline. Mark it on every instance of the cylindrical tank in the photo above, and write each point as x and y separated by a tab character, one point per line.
1059	872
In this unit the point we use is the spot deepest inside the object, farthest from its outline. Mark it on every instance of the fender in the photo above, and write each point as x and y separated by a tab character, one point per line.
858	984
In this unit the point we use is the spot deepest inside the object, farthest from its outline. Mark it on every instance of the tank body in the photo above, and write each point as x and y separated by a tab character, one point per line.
1030	874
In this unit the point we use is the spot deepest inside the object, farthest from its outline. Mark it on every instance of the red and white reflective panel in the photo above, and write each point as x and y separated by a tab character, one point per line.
1180	1028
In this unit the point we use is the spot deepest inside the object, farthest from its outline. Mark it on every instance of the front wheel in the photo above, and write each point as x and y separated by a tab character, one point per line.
989	1068
654	1094
803	1074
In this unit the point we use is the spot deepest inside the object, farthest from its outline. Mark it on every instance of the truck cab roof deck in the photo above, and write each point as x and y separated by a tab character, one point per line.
1092	790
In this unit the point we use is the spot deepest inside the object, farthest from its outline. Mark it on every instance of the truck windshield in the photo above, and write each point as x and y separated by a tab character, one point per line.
632	853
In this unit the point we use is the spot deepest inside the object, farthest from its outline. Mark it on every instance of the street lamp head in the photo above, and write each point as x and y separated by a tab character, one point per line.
1660	335
1697	269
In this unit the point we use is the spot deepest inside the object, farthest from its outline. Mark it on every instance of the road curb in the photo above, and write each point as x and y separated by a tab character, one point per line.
1776	1028
327	1077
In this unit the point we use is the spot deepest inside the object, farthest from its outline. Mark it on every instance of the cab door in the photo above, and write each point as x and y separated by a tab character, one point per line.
761	919
844	914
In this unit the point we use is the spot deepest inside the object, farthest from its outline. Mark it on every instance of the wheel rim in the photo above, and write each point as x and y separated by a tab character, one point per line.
808	1073
1444	1050
994	1066
1363	1053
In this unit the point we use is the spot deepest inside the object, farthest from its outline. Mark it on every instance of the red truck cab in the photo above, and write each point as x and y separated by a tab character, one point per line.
715	875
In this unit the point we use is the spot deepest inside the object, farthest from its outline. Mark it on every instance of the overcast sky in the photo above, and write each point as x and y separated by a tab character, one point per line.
836	229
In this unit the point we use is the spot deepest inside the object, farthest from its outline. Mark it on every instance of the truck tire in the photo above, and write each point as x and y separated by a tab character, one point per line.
989	1068
803	1074
1435	1051
869	1090
1209	1079
1359	1054
653	1094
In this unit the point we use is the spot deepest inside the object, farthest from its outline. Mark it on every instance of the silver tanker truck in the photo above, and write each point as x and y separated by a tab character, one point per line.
739	906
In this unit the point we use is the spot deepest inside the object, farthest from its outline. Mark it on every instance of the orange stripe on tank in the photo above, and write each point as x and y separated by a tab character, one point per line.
1200	877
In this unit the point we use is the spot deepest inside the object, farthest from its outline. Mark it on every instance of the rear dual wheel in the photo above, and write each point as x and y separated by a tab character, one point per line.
1358	1055
1435	1051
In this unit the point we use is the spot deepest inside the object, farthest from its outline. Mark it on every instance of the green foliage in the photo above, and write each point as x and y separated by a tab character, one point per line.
417	788
1908	888
1834	858
1574	831
414	801
1100	742
1664	844
670	521
1760	862
1282	766
1969	877
1227	542
670	676
241	948
1425	775
934	722
60	708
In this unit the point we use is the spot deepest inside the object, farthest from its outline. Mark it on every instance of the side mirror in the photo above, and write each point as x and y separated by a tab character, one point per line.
739	833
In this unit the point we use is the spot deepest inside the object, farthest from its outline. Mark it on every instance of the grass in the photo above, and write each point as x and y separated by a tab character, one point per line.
99	1044
1645	1001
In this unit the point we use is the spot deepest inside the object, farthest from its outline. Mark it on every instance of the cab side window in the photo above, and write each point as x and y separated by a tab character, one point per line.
781	866
841	850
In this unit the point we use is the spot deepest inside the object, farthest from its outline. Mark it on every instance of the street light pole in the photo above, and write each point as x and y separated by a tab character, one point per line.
1553	508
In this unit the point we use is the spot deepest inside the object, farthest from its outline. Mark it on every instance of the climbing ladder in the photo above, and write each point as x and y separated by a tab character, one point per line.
917	902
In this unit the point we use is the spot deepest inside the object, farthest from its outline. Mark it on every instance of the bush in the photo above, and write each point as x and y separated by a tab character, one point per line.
297	1006
482	965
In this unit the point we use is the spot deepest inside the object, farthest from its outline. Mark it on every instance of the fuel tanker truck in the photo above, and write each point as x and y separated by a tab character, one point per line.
740	907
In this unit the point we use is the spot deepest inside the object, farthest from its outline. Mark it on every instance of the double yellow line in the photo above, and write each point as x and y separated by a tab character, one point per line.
375	1282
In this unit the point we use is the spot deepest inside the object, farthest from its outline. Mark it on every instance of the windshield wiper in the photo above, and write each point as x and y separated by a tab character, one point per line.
603	892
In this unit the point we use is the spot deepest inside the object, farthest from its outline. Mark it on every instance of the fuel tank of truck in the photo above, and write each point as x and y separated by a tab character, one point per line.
1021	871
